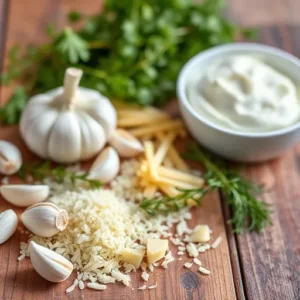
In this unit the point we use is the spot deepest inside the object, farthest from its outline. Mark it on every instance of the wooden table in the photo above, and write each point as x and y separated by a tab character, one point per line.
254	266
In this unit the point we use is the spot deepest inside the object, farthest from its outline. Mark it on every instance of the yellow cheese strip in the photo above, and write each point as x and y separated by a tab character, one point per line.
149	153
174	156
162	126
177	160
136	121
168	190
181	176
167	162
150	191
163	148
146	112
176	183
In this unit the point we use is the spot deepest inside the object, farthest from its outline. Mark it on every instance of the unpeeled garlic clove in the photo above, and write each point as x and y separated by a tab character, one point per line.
125	143
49	264
24	195
10	158
8	224
45	219
106	166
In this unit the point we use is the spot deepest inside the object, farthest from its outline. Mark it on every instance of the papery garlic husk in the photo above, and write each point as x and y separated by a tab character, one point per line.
24	195
49	264
10	158
8	224
106	166
125	143
45	219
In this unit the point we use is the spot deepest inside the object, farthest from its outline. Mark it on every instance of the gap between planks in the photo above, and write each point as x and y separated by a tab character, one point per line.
235	257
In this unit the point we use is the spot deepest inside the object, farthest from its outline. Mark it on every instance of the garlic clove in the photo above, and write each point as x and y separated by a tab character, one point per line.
106	166
10	158
64	141
126	144
49	264
8	224
45	219
24	195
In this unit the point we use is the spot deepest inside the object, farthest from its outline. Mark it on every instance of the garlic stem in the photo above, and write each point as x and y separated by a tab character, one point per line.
71	83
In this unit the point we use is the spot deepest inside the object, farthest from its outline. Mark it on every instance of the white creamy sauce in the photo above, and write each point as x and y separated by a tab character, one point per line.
245	94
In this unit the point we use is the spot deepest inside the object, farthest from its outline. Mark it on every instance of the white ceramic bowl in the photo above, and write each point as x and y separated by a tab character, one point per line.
231	144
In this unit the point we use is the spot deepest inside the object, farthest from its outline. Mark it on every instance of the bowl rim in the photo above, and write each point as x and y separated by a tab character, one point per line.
227	48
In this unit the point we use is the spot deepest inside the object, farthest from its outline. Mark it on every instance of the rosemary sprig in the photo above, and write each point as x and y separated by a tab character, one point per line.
240	194
166	204
59	174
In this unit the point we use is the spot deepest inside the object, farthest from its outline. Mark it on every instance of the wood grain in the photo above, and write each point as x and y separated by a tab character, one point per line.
20	281
270	261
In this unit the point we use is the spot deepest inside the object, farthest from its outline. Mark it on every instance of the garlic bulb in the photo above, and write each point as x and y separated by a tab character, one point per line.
45	219
24	195
49	264
8	224
106	166
68	124
126	144
10	158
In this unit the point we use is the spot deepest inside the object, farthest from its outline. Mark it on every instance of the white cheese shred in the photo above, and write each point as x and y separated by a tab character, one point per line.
216	243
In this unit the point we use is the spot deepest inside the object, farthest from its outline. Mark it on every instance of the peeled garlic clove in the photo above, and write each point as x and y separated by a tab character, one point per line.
8	224
24	195
45	219
10	158
49	264
106	166
125	143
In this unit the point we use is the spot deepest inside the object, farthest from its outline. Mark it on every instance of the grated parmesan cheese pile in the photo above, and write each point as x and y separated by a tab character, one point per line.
103	222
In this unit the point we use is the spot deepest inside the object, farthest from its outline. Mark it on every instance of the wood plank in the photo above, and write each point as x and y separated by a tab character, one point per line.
20	281
270	261
258	13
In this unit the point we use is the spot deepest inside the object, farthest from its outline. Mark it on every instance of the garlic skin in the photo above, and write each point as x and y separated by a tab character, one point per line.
126	144
49	264
68	124
24	195
8	224
106	166
45	219
10	158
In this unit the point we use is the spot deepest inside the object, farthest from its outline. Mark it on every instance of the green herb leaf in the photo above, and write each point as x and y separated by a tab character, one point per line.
74	16
166	204
71	46
59	174
247	211
10	113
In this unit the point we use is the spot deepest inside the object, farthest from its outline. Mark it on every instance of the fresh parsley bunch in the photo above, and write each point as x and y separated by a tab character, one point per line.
133	51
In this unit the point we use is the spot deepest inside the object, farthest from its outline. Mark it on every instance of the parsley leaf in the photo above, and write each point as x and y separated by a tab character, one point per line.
71	46
11	111
132	50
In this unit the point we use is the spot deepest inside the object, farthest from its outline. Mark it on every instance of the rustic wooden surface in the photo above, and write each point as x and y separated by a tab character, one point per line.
251	266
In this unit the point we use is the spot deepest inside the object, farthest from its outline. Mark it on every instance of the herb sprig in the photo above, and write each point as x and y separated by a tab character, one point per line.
132	50
246	210
59	174
166	204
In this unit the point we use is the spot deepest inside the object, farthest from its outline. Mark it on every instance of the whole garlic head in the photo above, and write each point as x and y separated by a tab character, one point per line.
68	124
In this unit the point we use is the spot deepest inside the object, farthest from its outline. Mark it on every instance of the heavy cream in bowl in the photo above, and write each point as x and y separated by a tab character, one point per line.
244	93
241	100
